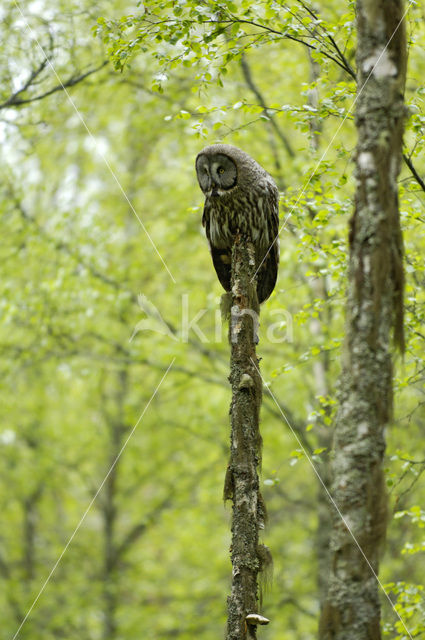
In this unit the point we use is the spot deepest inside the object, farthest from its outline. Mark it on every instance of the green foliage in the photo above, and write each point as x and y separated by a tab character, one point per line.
82	353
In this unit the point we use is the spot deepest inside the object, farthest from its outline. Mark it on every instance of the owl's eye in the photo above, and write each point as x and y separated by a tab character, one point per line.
220	170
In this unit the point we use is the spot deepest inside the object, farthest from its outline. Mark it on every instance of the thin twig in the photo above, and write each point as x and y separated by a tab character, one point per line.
415	174
251	84
14	101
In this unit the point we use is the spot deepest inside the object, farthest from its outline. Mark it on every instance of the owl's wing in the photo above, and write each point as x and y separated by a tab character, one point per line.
268	258
221	257
206	219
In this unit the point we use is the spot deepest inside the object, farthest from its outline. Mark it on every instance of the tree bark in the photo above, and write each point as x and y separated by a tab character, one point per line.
242	482
318	287
374	309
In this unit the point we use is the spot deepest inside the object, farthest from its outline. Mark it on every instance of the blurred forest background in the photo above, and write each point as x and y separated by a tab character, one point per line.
104	266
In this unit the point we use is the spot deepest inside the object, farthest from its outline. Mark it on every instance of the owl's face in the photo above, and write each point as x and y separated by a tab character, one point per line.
217	174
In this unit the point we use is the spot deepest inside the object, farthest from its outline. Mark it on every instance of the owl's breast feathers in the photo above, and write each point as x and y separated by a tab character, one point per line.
254	213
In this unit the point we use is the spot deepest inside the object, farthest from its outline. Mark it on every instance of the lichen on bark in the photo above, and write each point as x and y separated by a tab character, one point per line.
374	312
242	480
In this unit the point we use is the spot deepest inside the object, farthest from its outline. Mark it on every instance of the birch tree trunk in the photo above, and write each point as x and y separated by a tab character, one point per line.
374	309
242	482
319	290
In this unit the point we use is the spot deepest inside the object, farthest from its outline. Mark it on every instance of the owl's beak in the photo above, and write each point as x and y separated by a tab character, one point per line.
214	190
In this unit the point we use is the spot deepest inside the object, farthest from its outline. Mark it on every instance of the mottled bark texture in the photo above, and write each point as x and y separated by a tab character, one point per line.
242	482
374	309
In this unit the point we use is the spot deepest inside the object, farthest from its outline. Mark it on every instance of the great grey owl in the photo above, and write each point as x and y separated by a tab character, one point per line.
239	196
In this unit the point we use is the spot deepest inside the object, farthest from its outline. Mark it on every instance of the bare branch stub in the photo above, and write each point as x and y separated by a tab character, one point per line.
242	481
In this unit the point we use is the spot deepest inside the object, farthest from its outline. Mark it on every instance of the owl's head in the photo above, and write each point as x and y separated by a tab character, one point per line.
217	172
223	170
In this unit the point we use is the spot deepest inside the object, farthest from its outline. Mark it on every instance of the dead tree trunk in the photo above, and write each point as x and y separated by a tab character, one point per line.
242	482
374	309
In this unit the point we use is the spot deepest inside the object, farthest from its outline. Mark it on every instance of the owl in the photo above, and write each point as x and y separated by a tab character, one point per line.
239	196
